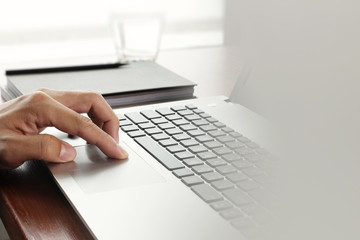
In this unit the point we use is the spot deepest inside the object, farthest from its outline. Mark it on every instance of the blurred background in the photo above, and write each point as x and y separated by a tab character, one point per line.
40	29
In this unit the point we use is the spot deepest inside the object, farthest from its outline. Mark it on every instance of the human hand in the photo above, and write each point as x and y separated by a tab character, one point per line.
22	119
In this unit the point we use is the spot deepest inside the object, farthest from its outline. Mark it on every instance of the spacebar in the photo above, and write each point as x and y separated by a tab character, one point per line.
158	152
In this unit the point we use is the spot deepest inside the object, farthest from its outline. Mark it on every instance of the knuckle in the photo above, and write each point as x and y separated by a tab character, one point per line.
43	90
37	97
86	125
94	95
86	122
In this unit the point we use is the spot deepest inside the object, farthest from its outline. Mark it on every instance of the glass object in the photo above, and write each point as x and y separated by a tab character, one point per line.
137	37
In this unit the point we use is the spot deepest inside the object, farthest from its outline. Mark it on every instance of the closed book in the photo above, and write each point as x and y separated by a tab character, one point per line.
134	83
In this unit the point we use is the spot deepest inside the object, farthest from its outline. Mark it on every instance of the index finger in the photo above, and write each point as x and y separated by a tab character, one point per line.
71	122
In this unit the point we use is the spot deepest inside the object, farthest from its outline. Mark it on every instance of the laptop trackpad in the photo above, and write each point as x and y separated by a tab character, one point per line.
95	172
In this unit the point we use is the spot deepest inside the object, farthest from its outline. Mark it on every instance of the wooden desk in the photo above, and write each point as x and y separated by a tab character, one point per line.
31	204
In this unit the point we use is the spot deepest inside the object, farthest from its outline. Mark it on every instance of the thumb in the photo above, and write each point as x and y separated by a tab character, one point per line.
49	148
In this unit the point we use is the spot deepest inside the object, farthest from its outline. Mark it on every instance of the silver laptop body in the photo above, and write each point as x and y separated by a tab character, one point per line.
140	198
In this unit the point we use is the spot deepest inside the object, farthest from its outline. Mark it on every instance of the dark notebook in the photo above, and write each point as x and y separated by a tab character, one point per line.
129	84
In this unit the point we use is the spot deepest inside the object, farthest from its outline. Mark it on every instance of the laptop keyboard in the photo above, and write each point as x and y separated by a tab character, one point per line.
224	168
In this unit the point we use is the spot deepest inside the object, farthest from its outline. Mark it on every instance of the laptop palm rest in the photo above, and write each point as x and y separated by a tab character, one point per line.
94	172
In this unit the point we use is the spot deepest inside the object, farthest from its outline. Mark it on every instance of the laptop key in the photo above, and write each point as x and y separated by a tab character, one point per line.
252	171
183	172
125	122
231	213
135	134
150	114
158	152
222	185
206	155
204	115
120	116
225	139
152	131
178	108
188	127
255	158
227	129
215	162
219	124
190	162
216	133
212	120
235	134
236	196
160	136
180	137
136	118
180	122
252	145
200	169
248	185
207	128
191	106
213	144
234	145
195	133
236	177
129	128
242	223
231	157
197	149
204	138
244	151
146	125
222	150
242	164
221	205
226	169
173	131
159	120
192	117
212	176
253	209
192	180
175	149
184	155
244	139
185	112
207	193
164	111
200	122
167	142
189	143
198	111
164	126
173	117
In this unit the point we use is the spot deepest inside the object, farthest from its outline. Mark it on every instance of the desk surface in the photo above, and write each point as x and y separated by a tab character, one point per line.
31	204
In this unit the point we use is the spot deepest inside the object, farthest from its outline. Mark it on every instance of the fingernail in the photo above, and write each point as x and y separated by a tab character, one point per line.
123	153
67	153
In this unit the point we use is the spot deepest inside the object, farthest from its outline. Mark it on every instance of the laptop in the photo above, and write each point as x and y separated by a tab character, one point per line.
194	171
